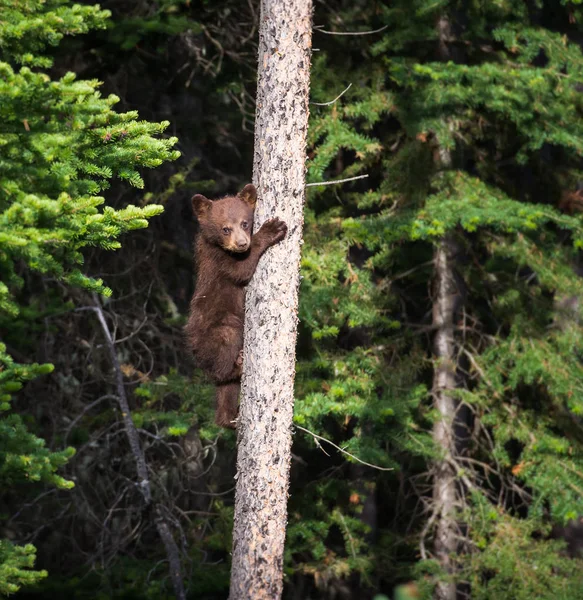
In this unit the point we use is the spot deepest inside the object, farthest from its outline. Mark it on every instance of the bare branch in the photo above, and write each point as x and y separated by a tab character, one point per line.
144	486
349	32
335	99
122	400
336	181
85	410
134	332
319	437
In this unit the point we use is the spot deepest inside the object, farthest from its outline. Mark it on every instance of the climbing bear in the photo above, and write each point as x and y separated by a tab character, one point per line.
226	257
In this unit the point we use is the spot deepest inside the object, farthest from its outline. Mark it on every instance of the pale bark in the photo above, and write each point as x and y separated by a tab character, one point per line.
445	493
444	382
266	410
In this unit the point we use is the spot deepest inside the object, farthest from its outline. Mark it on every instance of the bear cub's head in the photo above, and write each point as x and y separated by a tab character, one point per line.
227	222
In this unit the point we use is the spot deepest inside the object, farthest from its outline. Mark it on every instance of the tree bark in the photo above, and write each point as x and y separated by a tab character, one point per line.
266	410
445	493
444	382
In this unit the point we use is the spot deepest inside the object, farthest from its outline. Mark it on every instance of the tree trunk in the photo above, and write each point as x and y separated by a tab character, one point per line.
266	411
444	382
144	485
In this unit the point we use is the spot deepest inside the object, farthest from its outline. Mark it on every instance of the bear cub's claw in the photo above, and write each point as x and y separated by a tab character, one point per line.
274	230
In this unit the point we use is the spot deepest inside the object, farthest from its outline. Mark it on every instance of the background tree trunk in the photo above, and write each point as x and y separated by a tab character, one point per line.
444	382
271	307
445	494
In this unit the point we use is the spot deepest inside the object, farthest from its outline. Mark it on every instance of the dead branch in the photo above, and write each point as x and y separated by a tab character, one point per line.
335	99
317	28
141	467
336	181
319	437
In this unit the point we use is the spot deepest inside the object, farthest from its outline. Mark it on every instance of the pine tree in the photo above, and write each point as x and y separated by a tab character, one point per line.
60	145
504	105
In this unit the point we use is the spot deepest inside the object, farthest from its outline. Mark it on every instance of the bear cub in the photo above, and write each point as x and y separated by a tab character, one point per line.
227	254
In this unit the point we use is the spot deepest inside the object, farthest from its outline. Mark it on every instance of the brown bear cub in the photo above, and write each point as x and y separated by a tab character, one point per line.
226	257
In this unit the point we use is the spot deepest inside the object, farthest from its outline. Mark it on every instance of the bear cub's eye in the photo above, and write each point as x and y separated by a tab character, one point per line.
226	230
244	224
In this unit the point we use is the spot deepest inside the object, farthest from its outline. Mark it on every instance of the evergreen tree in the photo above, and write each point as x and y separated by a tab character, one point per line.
495	86
60	144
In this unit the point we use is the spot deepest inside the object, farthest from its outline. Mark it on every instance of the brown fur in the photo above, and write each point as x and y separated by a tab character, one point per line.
226	257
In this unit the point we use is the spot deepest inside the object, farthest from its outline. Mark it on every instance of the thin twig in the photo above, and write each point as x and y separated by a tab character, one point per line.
319	437
29	504
424	532
350	32
410	271
134	332
321	447
336	181
85	410
335	99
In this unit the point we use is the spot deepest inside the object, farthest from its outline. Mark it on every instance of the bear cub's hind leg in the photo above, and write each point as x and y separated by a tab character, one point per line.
227	403
225	354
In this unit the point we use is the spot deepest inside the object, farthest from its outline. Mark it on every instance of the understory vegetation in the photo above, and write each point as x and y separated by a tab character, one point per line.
440	338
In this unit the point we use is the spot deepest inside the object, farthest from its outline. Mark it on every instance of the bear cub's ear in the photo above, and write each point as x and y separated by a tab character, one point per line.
248	194
201	205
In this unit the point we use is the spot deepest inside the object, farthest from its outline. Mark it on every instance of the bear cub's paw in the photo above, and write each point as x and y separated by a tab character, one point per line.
273	230
239	365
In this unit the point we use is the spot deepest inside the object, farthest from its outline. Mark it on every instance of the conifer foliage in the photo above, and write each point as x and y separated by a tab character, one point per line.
466	117
60	145
496	88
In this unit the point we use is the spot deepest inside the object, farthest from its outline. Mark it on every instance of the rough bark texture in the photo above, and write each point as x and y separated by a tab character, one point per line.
444	382
444	379
271	305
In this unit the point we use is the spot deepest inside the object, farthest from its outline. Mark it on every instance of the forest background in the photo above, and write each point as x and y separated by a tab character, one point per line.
440	320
